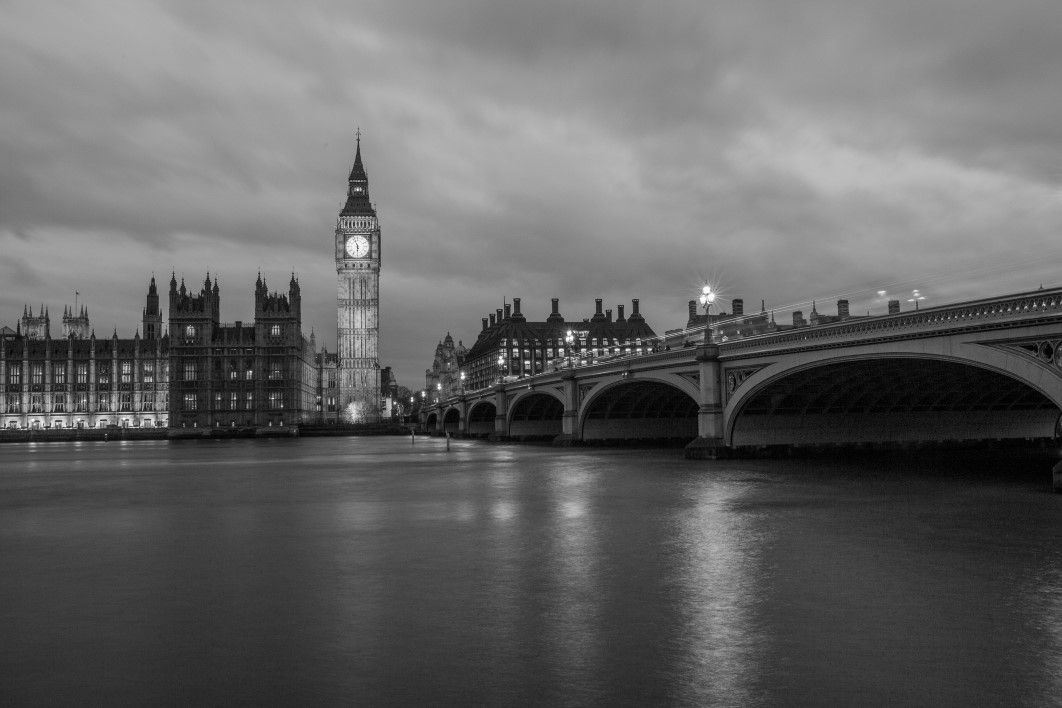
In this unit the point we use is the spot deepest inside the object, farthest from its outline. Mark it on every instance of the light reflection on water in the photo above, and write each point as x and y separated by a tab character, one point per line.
372	570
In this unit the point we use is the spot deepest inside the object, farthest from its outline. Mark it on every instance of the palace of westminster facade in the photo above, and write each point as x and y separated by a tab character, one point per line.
193	371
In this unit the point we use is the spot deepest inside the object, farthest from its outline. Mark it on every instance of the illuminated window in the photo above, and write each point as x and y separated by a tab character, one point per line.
276	399
149	372
81	402
274	331
250	400
127	372
189	402
59	374
189	331
59	403
103	403
233	400
103	374
190	371
82	373
14	373
36	375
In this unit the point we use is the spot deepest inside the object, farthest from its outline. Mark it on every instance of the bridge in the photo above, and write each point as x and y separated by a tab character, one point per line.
981	370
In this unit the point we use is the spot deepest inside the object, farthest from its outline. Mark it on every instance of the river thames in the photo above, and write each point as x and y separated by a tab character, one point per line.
369	571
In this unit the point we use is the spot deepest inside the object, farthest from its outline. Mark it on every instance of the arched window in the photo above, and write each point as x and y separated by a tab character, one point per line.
189	331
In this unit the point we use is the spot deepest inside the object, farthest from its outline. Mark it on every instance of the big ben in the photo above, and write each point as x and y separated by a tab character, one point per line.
358	298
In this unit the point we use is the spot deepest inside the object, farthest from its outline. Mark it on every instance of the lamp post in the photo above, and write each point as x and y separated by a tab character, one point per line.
707	298
501	363
462	377
569	340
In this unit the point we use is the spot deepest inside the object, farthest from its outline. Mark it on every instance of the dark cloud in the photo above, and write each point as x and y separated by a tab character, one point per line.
576	150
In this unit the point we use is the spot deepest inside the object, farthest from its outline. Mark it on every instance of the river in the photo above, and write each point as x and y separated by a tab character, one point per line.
367	571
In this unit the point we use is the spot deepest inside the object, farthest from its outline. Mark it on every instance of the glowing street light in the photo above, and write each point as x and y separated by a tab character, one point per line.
462	377
501	363
569	340
707	298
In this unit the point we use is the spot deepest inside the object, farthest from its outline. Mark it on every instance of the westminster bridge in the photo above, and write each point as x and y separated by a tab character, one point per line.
981	370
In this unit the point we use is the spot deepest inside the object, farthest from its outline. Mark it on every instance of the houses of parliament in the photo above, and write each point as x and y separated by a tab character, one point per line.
192	370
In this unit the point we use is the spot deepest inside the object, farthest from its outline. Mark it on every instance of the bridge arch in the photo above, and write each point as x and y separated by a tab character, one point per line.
896	396
481	418
643	408
536	414
431	422
451	421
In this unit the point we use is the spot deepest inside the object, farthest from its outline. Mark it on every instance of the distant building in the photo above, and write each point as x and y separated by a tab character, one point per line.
444	376
509	345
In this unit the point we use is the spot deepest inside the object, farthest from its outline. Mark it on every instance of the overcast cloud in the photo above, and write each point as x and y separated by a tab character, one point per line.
550	149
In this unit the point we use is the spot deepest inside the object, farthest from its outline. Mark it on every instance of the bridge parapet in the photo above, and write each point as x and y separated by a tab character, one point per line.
988	313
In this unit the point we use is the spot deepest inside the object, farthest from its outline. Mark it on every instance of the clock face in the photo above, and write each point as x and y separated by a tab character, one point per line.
357	246
355	190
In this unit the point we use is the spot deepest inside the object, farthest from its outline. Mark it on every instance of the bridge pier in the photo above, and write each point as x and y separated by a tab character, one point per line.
501	414
709	443
570	433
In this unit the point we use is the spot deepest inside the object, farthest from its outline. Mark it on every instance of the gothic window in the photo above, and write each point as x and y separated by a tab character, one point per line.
37	374
81	403
103	373
82	373
276	370
147	403
59	403
190	371
274	331
149	372
36	403
59	374
14	373
331	381
125	401
189	402
217	401
14	403
250	400
233	399
103	403
127	372
276	399
189	331
331	403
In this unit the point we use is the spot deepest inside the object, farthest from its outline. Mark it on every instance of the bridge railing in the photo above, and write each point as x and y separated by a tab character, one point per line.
1032	305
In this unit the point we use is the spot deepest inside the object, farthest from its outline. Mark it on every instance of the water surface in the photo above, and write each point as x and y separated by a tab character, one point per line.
369	570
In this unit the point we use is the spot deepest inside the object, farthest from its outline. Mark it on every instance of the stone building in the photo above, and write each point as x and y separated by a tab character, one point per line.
79	381
444	376
509	345
236	374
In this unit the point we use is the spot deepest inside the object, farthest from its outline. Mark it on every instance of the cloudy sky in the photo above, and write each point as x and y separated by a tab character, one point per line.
788	151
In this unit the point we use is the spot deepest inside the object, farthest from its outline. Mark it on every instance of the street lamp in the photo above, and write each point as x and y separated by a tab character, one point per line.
462	376
707	298
501	363
569	340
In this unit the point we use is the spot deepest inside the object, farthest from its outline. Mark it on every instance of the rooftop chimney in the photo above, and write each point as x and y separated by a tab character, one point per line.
608	315
556	306
619	315
693	309
842	309
894	307
508	310
484	323
492	320
634	307
739	306
798	318
555	315
498	312
516	306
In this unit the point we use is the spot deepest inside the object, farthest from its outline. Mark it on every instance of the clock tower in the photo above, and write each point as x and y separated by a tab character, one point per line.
358	298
